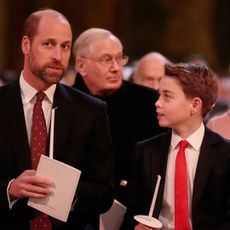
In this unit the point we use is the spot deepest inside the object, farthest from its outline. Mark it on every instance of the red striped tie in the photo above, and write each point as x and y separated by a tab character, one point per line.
38	147
181	193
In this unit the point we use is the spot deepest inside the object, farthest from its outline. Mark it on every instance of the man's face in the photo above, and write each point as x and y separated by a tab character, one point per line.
173	107
150	73
102	67
47	55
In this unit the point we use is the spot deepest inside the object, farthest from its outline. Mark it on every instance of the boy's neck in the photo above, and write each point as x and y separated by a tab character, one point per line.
187	130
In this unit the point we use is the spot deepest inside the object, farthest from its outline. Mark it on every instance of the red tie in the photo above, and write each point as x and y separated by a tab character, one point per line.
181	193
38	147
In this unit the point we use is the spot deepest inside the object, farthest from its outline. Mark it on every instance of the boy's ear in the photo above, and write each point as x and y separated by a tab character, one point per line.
196	105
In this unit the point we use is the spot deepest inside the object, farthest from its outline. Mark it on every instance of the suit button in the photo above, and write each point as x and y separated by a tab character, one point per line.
123	183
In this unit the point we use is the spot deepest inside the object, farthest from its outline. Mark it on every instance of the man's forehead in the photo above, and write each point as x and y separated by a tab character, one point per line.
105	41
52	27
106	45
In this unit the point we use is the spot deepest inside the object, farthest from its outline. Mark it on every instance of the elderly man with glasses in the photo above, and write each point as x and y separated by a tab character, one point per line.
99	63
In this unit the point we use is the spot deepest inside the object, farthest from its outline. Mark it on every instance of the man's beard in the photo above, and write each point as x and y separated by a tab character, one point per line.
43	72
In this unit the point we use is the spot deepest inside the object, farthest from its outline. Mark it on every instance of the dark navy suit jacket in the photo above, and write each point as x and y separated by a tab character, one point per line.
82	140
211	194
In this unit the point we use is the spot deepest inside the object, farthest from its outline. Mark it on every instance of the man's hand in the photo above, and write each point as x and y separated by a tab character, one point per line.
29	185
144	227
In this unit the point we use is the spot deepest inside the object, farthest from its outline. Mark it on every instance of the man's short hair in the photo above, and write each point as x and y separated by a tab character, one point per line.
32	22
81	46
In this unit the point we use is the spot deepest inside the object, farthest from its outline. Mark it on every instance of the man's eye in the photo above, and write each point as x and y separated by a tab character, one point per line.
119	59
106	59
66	46
48	44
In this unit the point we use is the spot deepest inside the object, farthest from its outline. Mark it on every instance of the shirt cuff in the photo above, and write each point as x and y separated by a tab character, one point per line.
11	203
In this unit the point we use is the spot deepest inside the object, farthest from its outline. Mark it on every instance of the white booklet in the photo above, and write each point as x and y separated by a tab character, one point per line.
113	218
65	180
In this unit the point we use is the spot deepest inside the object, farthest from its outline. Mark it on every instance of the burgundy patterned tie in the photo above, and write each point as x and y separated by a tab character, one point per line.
38	147
181	191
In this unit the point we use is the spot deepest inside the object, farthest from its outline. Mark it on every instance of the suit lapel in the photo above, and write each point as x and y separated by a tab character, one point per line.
159	162
205	162
63	119
15	120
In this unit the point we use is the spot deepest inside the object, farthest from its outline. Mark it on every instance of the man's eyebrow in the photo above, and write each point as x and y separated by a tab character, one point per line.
49	40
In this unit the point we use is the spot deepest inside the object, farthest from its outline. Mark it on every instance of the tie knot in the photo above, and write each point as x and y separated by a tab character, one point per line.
183	144
40	96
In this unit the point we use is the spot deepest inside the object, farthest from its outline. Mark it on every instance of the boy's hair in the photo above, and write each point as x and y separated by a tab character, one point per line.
196	81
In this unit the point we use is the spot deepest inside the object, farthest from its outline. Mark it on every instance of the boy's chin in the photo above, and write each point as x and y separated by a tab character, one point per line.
164	124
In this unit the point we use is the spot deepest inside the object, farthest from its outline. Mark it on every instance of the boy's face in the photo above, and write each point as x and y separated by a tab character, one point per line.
173	108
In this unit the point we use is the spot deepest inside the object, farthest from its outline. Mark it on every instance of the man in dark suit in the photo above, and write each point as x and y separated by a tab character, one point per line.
81	140
187	93
132	115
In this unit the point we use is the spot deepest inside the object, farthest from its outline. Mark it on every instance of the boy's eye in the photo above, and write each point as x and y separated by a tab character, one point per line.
167	97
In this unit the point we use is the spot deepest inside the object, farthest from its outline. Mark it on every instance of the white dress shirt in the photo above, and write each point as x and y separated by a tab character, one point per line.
192	154
28	94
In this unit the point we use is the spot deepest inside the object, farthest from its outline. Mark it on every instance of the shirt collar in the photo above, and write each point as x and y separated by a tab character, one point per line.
28	92
194	140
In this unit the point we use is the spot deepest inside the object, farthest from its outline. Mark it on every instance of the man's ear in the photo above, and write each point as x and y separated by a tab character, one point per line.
25	45
196	105
80	67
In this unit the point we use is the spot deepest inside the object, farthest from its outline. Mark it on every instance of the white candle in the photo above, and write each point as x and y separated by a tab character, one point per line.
154	197
51	152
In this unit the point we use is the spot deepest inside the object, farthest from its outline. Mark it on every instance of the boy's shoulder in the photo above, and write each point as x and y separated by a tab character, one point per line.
158	140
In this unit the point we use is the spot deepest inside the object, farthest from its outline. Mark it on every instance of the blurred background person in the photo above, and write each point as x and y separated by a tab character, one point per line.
100	62
69	76
149	70
221	124
196	58
8	76
223	99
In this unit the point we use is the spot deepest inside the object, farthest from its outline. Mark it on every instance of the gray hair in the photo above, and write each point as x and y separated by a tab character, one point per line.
81	46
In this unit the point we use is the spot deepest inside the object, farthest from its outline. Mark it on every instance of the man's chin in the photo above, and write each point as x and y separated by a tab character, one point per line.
116	84
111	89
53	78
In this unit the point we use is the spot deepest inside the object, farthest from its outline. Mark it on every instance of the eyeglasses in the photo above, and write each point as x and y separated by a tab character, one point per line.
108	60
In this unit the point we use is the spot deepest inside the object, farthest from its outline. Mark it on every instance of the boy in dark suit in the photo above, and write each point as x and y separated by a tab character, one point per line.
194	192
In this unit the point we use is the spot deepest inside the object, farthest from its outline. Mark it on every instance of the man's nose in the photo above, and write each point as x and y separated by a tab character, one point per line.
57	53
116	66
